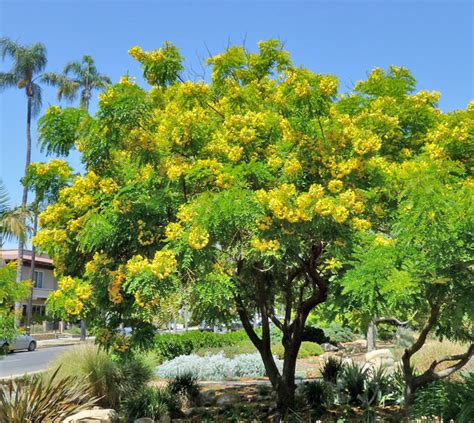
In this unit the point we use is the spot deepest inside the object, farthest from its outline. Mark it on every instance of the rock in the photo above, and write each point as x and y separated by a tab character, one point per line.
226	400
383	353
144	420
94	416
165	419
377	358
327	347
208	397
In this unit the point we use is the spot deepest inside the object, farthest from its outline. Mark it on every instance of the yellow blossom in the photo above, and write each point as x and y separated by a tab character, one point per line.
333	263
163	264
335	185
198	238
173	231
84	292
360	224
73	306
266	245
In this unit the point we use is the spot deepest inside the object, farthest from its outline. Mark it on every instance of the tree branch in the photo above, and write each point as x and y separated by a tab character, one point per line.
424	333
246	322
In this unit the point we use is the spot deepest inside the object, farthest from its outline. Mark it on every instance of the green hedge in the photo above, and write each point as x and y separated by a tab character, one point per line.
170	345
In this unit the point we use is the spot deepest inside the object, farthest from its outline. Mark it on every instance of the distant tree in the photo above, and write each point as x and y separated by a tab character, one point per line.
45	180
10	293
12	220
26	72
78	78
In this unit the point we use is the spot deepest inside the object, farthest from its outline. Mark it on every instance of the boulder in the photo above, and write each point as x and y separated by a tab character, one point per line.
327	347
377	354
165	419
382	357
208	397
144	420
94	416
227	400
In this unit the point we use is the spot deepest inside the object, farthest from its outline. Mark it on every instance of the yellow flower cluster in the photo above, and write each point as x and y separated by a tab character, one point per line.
272	245
198	237
382	240
54	213
66	283
265	223
333	263
163	264
185	213
84	291
225	180
176	167
360	224
190	88
328	85
137	264
145	237
235	153
115	286
173	231
127	80
137	53
335	185
292	167
108	186
73	306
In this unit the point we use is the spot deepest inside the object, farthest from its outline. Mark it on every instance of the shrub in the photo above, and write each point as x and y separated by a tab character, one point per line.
312	334
37	400
353	381
319	395
447	399
331	369
150	402
379	386
338	333
214	367
307	349
404	337
185	388
170	345
109	380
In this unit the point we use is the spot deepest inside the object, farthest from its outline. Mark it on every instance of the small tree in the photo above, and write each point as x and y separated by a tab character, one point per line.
248	191
10	293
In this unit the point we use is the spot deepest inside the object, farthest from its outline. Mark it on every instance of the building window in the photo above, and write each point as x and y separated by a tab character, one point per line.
38	279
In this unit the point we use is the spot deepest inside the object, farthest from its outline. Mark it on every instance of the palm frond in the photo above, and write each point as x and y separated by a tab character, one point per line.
9	47
72	67
67	88
4	197
37	99
8	79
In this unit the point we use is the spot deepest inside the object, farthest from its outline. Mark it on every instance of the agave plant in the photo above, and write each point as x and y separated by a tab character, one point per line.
331	369
353	379
37	400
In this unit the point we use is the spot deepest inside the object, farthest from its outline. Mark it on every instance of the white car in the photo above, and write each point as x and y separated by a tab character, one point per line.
21	342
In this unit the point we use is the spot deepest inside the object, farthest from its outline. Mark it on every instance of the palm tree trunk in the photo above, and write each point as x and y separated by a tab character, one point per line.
32	272
24	199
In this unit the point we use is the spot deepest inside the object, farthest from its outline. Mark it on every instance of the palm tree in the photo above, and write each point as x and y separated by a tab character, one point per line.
78	76
28	63
12	220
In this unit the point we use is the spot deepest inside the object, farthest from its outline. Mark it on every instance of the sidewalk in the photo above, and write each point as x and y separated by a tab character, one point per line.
59	342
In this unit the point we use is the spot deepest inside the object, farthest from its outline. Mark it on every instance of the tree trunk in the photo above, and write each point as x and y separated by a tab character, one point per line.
24	199
83	330
372	335
32	272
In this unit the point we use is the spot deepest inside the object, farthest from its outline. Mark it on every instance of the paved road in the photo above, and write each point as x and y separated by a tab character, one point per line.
18	363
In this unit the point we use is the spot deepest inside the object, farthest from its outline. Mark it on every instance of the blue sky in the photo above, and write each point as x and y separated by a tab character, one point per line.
434	39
